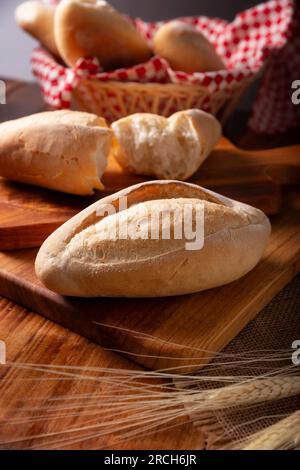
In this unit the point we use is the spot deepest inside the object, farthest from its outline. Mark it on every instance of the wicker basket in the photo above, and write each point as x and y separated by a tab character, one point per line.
116	99
245	45
113	99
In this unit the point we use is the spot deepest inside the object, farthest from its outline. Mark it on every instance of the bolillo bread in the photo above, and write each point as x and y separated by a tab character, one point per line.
62	150
172	148
186	49
37	19
87	257
94	28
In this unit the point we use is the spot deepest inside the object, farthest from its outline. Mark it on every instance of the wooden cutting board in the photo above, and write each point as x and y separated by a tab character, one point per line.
160	333
157	333
28	215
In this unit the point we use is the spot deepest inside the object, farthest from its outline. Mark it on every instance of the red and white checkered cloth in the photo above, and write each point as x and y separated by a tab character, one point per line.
266	35
274	111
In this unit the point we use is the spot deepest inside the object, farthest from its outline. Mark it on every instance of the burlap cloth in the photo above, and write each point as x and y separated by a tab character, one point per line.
274	329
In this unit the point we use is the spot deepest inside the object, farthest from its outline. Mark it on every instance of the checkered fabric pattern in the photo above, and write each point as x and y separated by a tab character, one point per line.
263	36
274	110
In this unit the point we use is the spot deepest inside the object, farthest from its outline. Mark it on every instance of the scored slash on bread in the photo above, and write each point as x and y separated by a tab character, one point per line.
61	150
172	148
86	258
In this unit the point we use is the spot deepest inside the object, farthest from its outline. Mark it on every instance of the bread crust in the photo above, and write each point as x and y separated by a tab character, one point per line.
172	148
186	49
77	261
37	19
61	150
94	28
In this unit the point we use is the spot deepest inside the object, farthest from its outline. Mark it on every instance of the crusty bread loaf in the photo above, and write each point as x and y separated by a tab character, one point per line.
94	28
37	19
172	148
62	150
87	257
186	49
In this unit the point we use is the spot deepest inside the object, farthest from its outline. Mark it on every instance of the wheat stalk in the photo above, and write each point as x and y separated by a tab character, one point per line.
251	392
147	401
144	407
284	435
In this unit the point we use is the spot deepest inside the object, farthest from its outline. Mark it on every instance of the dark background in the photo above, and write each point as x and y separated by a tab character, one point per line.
164	9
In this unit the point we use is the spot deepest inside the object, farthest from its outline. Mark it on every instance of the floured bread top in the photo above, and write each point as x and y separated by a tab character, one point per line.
152	228
113	249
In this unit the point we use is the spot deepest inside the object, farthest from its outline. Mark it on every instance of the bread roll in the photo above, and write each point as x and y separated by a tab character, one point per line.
62	150
186	49
94	28
87	257
172	148
37	19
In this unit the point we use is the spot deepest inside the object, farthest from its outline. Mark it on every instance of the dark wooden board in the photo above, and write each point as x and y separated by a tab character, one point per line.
206	321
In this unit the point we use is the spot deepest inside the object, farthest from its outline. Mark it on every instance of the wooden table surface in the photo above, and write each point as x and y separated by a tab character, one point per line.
31	339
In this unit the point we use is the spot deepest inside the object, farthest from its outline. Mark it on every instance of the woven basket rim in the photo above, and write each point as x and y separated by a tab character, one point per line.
155	86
